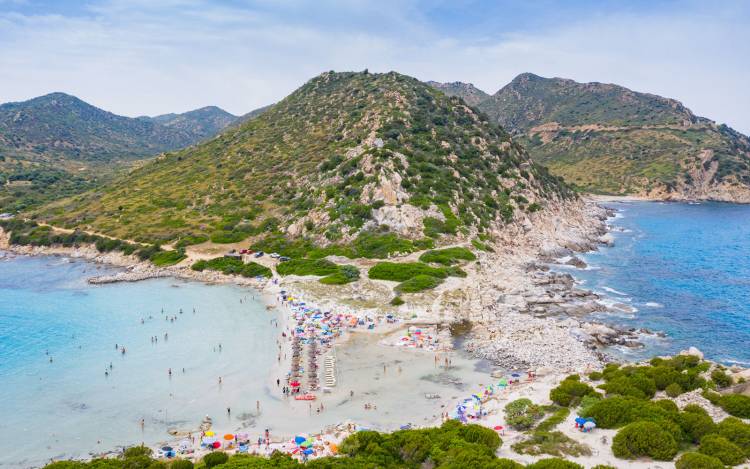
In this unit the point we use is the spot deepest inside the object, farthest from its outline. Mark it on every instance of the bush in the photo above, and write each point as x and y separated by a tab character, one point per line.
737	432
400	272
569	392
136	451
554	463
522	414
448	256
165	258
346	274
721	379
696	423
397	301
588	401
554	420
595	376
673	390
229	266
418	283
698	461
614	412
737	405
214	459
181	464
644	439
319	267
722	449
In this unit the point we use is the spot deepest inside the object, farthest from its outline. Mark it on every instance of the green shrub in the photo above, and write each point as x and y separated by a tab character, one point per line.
136	451
595	376
737	405
673	390
722	449
165	258
319	267
228	237
400	272
346	274
698	461
587	401
418	283
448	256
570	392
181	464
229	266
481	246
215	458
644	439
735	431
721	379
522	414
554	463
695	423
614	412
397	301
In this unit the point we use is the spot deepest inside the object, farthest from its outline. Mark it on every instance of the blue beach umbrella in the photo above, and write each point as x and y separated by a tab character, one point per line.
299	439
308	451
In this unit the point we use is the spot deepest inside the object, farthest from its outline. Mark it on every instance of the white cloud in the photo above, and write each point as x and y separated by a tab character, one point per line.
148	57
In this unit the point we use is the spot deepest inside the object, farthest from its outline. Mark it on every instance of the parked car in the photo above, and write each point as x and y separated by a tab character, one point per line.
243	251
274	255
259	254
284	259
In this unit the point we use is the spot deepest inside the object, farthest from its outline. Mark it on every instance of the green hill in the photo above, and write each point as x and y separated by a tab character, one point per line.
604	138
57	145
468	92
200	124
344	154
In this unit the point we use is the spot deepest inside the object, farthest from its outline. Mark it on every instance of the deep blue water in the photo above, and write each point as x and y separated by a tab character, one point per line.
686	269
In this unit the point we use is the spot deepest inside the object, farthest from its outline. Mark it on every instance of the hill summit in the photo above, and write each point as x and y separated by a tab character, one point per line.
344	154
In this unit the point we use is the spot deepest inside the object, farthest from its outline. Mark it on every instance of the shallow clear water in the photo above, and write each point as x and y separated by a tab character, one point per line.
68	408
686	269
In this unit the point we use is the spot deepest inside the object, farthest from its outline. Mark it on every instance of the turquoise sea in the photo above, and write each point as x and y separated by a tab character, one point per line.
685	268
58	337
68	407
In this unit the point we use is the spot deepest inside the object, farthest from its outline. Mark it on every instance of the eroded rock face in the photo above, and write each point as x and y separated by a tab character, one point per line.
406	220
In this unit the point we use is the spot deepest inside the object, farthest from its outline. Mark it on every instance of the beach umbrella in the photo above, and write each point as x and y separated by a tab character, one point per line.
209	433
306	444
580	420
516	375
166	449
185	444
229	437
216	444
308	451
299	439
589	425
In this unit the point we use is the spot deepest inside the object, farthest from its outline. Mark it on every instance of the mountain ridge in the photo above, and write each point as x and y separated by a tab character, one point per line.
607	139
57	144
344	154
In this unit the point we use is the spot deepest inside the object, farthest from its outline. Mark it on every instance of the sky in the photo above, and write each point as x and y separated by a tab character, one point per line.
148	57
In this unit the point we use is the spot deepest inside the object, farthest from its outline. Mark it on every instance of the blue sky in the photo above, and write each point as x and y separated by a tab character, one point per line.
137	57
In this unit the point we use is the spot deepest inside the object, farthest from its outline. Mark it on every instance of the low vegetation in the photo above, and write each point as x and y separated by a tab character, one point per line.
414	276
448	256
230	266
332	273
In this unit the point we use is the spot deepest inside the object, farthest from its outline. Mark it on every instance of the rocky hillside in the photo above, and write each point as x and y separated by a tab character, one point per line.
470	93
200	123
57	145
604	138
345	154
